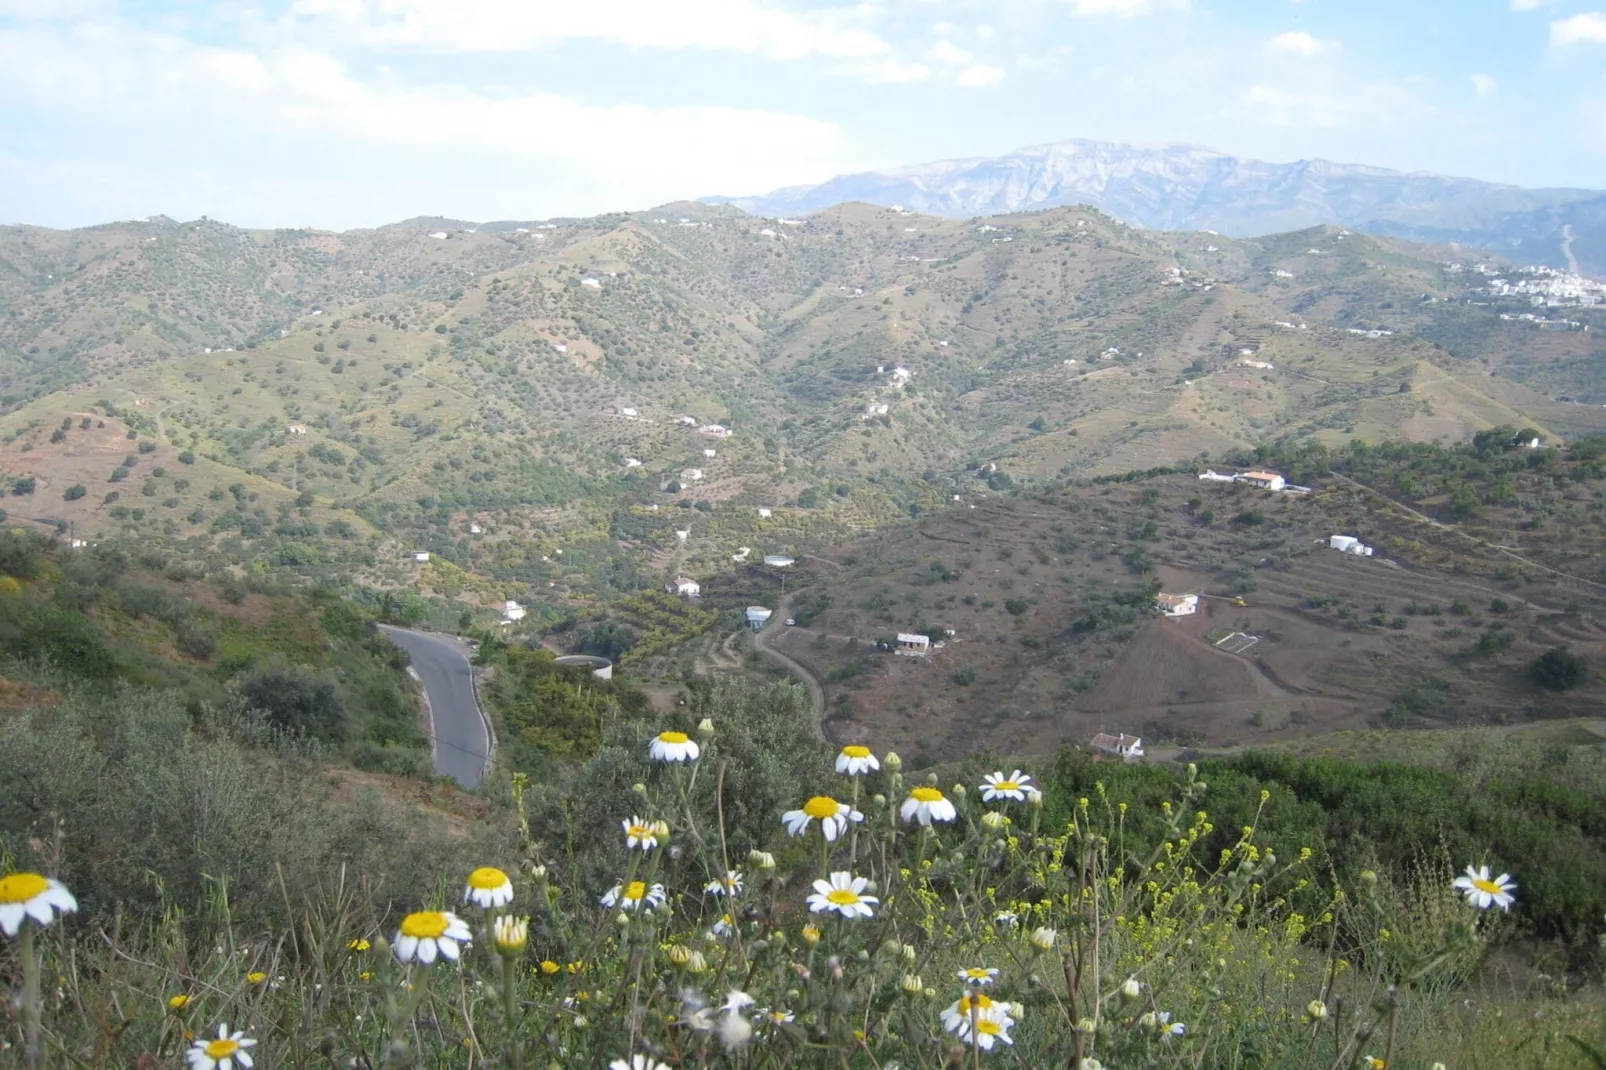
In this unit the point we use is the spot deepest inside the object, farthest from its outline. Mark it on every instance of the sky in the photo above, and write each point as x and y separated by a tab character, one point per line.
354	113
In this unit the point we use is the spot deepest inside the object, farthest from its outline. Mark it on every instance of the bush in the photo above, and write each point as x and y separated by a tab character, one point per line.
1558	669
186	457
74	492
294	698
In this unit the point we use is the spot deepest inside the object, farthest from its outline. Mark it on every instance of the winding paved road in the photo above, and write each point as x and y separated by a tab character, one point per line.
462	741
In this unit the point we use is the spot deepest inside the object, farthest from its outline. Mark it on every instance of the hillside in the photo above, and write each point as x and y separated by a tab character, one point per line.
482	392
1054	638
1186	187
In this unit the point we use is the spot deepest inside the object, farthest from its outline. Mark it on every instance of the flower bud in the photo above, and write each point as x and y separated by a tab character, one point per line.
909	952
639	788
1317	1010
1034	799
1368	877
538	874
1131	989
958	791
892	763
623	920
1147	1020
862	955
660	829
705	729
697	963
1043	939
811	934
679	954
880	800
931	780
912	984
1085	1025
761	860
511	935
994	820
931	993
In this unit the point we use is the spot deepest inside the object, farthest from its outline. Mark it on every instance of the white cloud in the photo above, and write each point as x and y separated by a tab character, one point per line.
634	154
1484	85
985	32
1529	5
1380	103
979	74
1120	8
1588	28
1298	43
944	52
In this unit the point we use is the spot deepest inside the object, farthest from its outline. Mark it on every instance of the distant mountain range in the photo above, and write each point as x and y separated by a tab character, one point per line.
1186	187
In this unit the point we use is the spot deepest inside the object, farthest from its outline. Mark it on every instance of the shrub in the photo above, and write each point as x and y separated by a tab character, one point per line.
1558	669
74	492
294	698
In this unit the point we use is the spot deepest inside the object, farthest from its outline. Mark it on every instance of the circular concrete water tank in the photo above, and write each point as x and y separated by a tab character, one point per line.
601	668
779	560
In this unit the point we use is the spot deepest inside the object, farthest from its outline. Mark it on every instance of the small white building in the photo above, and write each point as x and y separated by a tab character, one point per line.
687	421
421	555
626	410
591	284
765	514
691	475
1177	605
680	585
779	560
631	462
296	429
512	611
716	431
438	235
683	534
757	617
912	645
475	529
1349	544
1210	475
1263	479
710	453
1127	748
740	556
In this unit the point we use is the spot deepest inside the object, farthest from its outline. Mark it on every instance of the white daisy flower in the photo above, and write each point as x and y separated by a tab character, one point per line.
1043	938
431	933
730	884
843	893
956	1015
725	926
631	897
856	761
991	1027
979	975
673	747
777	1017
638	1062
511	935
1007	919
736	1000
28	895
997	786
833	817
1483	892
926	805
488	887
224	1053
640	834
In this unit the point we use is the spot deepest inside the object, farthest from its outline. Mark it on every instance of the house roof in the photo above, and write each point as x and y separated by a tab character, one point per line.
1105	741
1175	599
909	637
1258	474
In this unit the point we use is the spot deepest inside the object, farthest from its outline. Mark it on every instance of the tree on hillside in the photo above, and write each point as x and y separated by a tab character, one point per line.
1558	669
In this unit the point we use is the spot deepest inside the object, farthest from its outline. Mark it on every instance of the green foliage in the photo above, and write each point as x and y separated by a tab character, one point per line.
546	710
1559	669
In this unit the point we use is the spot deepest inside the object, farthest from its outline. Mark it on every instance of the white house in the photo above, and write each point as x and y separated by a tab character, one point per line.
740	556
591	284
716	431
1264	365
438	235
512	611
421	555
626	410
687	421
1262	479
691	475
1128	748
710	453
631	462
757	617
1349	544
1177	605
779	561
912	645
1210	475
296	429
683	534
680	585
475	529
764	514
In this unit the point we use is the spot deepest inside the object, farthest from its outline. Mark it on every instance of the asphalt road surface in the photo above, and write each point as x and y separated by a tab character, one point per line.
461	741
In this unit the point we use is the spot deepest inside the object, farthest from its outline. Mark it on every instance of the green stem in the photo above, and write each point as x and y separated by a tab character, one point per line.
32	1051
510	1004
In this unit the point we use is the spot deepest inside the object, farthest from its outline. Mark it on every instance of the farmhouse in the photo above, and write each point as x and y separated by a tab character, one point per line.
757	617
716	431
710	453
765	514
913	646
512	611
691	475
1210	475
1128	748
1177	605
421	555
1263	479
296	429
1349	544
680	585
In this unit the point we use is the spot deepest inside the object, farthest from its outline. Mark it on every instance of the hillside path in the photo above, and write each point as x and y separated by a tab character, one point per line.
460	733
816	692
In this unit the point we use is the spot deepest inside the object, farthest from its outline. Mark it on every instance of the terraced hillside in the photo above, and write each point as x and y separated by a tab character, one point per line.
1048	598
500	393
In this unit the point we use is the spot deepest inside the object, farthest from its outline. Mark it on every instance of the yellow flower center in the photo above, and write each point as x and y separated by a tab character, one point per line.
640	832
821	807
426	924
981	1003
977	972
856	751
549	967
673	737
486	878
1487	886
842	897
256	977
21	887
636	890
1007	785
988	1026
926	795
222	1049
178	1002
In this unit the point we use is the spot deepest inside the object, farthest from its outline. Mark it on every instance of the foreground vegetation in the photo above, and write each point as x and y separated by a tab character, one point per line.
719	893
